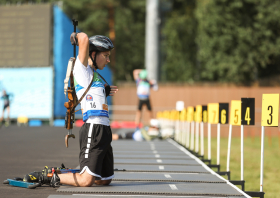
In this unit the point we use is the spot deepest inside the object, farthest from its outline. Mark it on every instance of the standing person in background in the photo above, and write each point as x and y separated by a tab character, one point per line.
6	98
143	93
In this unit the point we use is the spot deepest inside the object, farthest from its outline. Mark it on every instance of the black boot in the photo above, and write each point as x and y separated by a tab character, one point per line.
55	180
33	177
47	174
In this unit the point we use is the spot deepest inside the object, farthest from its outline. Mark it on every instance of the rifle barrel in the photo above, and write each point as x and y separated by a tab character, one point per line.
75	24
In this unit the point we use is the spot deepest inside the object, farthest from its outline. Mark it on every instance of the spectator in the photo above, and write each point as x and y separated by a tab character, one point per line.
6	98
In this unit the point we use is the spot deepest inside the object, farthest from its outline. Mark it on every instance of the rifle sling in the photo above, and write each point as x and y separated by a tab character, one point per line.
83	95
88	88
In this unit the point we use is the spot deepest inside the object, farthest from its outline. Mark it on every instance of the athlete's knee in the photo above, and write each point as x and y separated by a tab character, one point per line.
86	182
106	182
103	182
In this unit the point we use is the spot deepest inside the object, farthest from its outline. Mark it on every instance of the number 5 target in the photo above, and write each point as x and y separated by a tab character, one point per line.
235	112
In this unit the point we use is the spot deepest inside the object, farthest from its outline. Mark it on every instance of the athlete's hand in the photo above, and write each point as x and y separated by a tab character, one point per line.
74	39
113	90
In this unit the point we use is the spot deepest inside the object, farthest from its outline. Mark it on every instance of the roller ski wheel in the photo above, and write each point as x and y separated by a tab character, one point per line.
18	182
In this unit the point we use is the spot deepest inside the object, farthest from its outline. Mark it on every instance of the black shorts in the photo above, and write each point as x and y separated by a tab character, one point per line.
6	106
96	153
146	102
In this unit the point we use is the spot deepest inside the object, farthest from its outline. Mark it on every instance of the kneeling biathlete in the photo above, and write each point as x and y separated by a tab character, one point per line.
95	136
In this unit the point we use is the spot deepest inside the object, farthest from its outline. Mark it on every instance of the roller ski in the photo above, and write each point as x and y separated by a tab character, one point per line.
17	181
48	176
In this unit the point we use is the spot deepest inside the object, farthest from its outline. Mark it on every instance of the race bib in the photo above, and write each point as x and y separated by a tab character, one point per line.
105	107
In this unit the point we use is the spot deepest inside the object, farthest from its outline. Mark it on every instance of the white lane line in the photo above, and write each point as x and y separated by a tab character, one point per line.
167	176
98	195
173	187
154	151
161	167
159	161
157	156
205	166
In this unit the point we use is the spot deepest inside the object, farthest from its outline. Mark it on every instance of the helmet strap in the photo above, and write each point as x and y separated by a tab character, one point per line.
95	67
94	60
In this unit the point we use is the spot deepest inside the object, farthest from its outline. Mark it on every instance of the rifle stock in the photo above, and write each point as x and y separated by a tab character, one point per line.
72	100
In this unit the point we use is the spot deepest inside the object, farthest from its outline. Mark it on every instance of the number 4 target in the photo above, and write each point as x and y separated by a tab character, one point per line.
248	111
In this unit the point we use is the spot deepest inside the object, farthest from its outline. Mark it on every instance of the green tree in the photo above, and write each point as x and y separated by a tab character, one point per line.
129	19
178	45
237	38
130	38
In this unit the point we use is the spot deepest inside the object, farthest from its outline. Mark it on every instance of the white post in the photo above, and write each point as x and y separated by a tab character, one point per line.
183	132
202	138
197	137
229	144
209	141
192	135
176	135
262	158
152	38
178	131
171	125
218	142
242	157
188	135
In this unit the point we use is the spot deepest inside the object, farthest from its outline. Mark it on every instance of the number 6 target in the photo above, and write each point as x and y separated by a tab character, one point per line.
223	113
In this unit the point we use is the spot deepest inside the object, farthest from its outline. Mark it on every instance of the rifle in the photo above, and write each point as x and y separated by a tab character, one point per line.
71	93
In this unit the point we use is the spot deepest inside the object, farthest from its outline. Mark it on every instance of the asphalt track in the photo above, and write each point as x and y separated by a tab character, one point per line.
27	149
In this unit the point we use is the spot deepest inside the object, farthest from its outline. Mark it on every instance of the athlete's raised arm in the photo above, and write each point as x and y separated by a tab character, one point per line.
81	40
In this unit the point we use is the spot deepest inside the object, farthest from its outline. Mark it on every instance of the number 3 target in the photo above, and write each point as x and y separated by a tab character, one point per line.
270	109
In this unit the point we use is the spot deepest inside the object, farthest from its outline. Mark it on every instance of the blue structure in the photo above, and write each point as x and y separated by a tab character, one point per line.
31	91
63	50
35	123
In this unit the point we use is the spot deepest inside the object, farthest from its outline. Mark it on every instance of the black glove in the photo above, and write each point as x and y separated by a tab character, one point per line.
107	90
73	38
